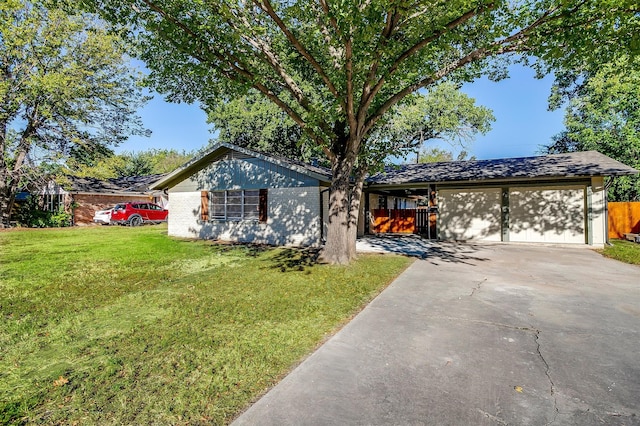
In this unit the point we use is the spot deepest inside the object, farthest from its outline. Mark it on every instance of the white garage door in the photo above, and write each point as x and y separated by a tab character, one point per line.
469	214
550	215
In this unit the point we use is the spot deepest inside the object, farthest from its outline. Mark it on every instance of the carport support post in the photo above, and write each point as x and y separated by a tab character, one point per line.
367	213
589	215
505	214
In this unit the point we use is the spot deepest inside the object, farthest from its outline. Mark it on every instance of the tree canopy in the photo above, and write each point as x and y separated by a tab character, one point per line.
152	161
603	114
339	68
443	112
66	90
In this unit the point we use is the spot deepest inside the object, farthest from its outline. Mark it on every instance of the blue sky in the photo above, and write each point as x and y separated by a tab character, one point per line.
519	104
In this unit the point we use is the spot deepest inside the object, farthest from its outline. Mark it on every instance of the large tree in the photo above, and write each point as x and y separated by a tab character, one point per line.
65	90
603	114
339	67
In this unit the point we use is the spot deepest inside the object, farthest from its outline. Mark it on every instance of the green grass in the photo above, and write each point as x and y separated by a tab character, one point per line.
624	251
119	325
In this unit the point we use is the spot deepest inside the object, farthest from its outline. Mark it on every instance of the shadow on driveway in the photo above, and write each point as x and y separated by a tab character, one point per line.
416	246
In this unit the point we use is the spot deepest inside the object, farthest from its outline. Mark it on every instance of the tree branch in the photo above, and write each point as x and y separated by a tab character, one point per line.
514	43
237	73
416	48
268	8
385	36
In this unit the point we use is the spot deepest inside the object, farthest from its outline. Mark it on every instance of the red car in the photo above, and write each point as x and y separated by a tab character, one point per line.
138	212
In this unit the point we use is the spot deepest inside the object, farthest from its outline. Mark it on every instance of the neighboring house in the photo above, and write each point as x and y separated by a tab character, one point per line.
84	196
231	193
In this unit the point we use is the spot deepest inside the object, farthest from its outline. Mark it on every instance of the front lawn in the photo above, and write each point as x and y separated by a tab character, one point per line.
120	325
624	251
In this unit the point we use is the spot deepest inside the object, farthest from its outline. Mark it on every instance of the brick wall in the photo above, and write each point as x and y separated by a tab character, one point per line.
88	204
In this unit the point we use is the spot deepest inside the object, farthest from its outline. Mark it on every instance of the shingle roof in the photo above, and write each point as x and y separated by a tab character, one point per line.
204	158
576	164
129	184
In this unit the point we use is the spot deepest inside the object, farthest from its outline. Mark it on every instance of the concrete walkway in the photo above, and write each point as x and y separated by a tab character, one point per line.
479	334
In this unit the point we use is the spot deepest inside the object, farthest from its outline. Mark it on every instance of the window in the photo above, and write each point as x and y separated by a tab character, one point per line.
52	202
234	205
382	201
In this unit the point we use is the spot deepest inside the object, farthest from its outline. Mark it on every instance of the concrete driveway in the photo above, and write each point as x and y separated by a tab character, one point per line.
479	334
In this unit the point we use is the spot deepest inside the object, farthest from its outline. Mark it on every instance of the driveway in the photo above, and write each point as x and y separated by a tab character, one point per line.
479	334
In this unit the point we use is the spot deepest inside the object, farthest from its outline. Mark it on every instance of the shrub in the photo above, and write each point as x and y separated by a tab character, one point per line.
32	216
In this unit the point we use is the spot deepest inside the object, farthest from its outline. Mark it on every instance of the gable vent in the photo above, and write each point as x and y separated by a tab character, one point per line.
235	155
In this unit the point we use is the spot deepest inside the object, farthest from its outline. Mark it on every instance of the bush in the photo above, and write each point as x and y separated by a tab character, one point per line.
32	216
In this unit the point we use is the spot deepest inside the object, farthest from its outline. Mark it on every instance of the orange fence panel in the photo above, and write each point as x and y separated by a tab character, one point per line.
381	221
403	221
395	221
624	218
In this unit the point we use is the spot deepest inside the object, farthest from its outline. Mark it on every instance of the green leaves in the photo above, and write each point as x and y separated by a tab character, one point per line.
65	89
350	61
603	114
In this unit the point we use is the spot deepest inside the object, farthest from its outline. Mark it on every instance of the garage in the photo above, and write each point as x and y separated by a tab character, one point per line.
547	215
470	214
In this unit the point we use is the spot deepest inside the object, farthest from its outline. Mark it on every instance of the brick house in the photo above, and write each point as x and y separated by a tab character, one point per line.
84	196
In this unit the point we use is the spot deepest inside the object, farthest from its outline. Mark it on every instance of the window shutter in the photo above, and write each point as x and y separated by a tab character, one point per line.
204	205
262	214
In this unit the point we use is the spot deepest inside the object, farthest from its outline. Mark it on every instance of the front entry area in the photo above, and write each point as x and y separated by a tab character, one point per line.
412	211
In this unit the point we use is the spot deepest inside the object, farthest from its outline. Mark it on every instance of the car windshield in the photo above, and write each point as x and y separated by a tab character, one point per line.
119	207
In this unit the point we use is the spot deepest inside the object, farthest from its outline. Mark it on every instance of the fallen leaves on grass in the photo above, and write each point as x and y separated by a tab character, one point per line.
60	381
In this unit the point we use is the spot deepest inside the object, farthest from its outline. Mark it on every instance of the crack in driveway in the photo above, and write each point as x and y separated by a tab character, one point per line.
536	335
546	372
477	287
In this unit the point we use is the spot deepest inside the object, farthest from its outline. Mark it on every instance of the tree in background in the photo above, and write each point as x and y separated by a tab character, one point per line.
340	68
603	114
252	121
439	155
443	113
143	163
66	90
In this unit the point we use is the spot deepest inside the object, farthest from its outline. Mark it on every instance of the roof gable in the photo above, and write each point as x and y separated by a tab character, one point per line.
222	149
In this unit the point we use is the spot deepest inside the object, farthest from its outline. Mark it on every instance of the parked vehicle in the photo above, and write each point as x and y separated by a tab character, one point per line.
103	216
137	213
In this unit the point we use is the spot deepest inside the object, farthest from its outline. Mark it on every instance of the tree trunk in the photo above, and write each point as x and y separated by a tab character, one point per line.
7	199
10	179
6	202
354	207
340	247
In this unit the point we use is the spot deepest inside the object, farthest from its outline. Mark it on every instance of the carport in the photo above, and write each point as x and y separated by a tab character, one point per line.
557	198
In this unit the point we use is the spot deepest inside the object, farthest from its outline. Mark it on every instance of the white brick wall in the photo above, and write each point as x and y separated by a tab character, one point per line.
293	219
184	214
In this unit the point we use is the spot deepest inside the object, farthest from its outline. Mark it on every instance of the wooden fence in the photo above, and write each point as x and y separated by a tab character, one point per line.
624	218
405	221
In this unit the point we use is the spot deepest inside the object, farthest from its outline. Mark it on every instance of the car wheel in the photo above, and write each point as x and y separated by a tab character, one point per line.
135	221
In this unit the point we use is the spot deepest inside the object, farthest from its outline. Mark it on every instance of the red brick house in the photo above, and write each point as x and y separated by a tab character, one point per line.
84	196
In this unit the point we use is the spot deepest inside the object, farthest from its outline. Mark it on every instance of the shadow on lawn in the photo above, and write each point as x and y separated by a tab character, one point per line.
295	259
284	259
